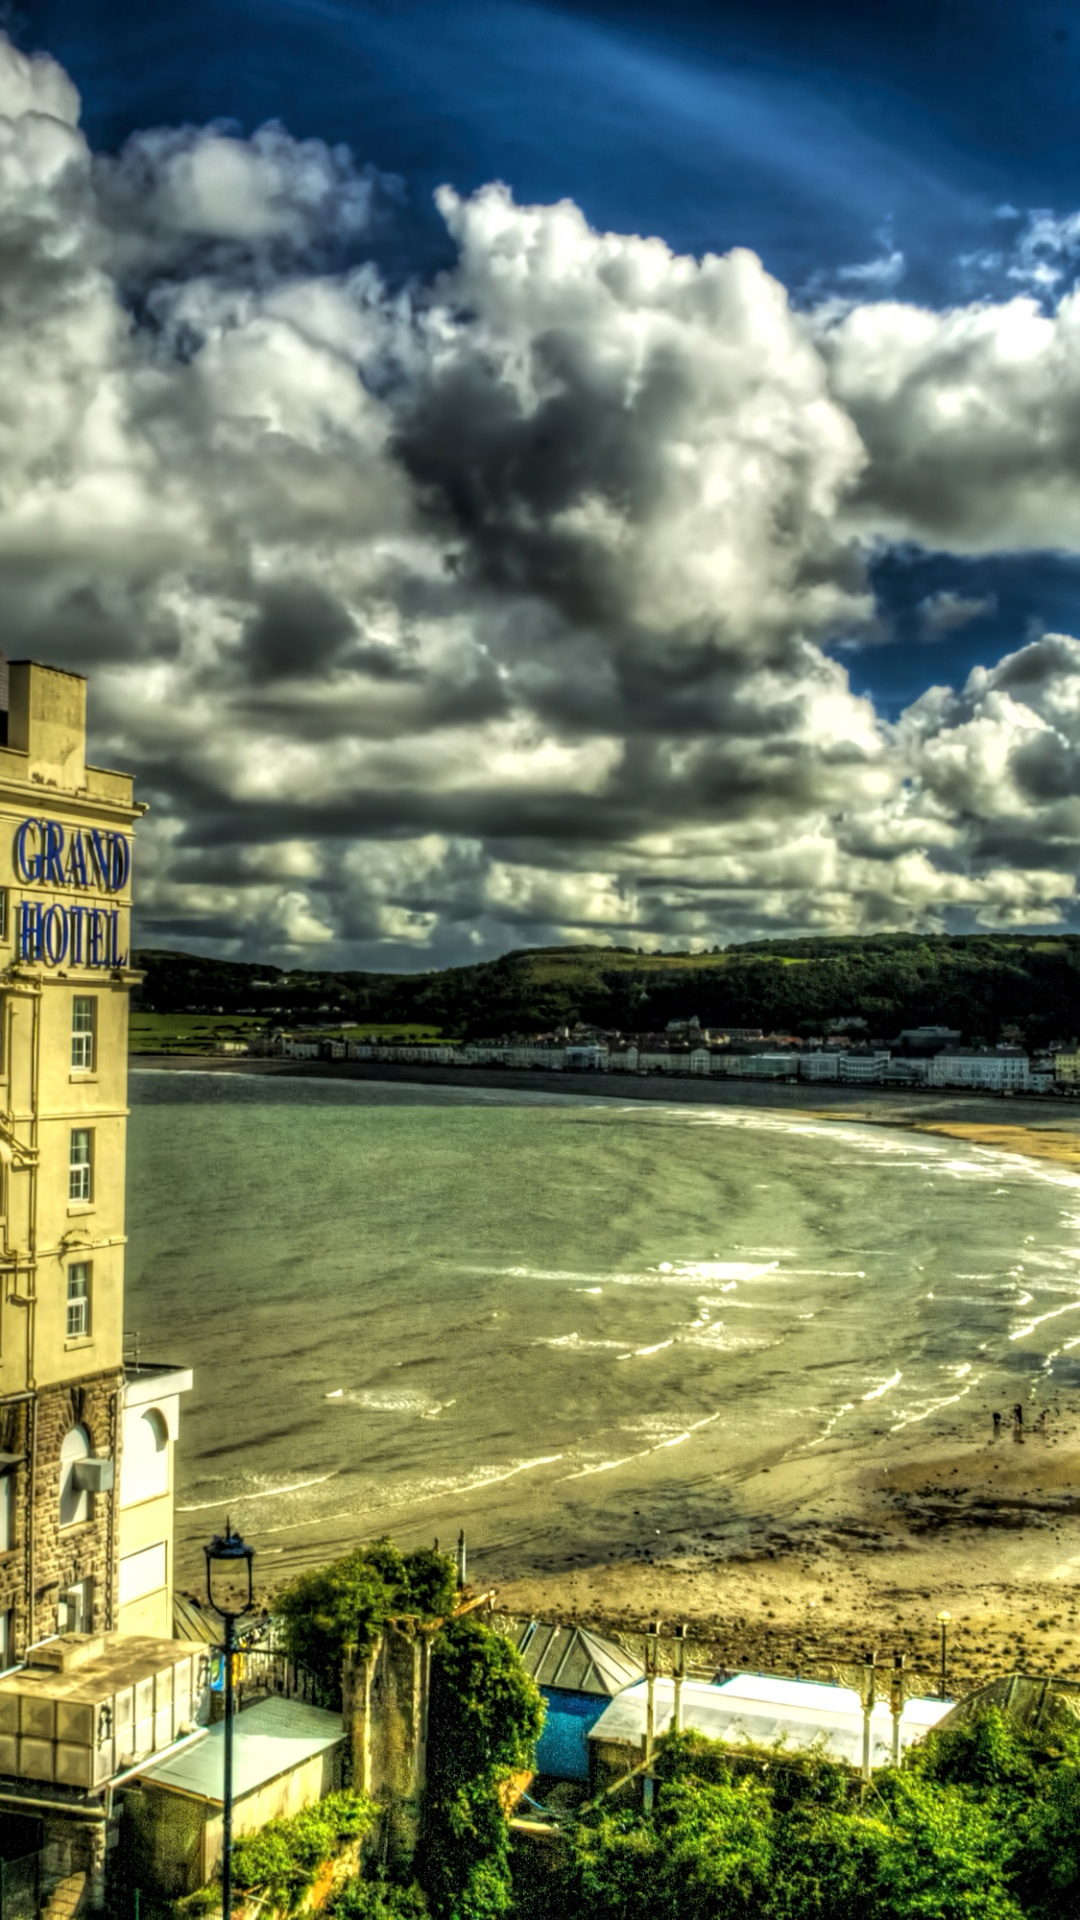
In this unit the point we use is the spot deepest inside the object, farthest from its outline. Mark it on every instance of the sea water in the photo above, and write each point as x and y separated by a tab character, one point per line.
571	1324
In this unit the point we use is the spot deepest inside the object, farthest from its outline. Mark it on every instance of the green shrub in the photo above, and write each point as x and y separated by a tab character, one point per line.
347	1603
377	1900
284	1857
485	1719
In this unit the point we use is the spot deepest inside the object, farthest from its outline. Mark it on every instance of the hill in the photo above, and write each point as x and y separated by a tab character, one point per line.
979	983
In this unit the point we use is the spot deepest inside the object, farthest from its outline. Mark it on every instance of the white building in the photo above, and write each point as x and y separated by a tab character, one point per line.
819	1065
765	1066
865	1068
994	1069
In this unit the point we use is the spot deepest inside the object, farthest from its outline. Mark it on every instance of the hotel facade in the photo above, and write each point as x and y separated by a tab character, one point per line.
86	1444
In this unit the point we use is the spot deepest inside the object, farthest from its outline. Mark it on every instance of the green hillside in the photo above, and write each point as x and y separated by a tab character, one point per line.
977	983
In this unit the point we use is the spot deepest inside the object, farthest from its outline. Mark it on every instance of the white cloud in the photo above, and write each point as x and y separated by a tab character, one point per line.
948	612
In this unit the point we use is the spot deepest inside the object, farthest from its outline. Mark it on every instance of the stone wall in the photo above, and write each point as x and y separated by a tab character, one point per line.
61	1558
90	1549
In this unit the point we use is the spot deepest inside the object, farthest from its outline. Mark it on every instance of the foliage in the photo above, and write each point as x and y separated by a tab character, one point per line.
981	1823
346	1604
376	1900
485	1719
283	1858
975	982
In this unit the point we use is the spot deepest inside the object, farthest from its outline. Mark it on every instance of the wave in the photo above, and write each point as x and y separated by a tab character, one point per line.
264	1493
660	1446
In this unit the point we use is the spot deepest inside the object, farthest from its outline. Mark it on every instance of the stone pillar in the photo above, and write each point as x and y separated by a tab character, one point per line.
386	1709
356	1679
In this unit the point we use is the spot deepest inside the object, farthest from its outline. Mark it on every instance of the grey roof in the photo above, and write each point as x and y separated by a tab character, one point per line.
573	1658
192	1622
268	1740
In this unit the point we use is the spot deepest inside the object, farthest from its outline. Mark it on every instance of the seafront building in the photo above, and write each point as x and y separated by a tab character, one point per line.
92	1679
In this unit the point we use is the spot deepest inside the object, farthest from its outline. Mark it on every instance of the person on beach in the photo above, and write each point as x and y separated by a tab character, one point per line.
997	1426
1018	1422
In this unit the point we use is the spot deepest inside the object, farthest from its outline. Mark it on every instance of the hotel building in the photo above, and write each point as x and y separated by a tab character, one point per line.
86	1447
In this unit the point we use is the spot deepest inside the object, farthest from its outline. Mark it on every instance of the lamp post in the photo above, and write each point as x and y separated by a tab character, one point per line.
227	1552
943	1622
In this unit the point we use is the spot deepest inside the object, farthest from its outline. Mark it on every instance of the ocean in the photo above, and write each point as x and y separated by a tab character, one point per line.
575	1326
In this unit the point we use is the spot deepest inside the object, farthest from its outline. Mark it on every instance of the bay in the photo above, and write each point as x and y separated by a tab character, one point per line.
573	1325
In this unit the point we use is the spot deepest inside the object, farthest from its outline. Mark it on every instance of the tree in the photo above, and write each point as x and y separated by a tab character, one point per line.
346	1604
485	1719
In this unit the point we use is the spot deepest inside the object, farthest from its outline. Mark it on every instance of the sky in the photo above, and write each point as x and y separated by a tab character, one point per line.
517	474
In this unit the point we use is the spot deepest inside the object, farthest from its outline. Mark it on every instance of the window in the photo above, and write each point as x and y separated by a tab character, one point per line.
7	1637
83	1022
7	1512
78	1299
80	1183
74	1500
77	1608
3	913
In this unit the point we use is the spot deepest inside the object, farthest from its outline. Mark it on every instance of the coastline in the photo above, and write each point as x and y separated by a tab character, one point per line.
842	1555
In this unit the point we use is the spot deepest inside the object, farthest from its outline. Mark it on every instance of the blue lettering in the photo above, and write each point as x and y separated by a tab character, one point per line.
76	916
76	861
54	935
29	930
52	870
116	958
99	856
95	937
120	865
27	865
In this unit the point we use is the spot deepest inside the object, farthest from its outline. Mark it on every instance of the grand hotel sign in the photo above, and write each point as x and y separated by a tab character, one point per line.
78	860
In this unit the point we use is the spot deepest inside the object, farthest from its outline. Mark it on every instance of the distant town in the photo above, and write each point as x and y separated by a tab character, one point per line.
917	1057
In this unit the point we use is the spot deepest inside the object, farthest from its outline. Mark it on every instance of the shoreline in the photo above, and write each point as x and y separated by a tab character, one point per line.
839	1555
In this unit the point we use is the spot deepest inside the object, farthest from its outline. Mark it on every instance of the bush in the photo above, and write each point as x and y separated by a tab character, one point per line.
377	1900
283	1858
485	1719
348	1602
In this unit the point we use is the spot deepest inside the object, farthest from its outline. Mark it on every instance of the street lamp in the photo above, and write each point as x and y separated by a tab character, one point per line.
227	1553
943	1622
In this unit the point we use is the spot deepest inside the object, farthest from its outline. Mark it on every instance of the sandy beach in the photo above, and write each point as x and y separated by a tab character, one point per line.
839	1567
843	1557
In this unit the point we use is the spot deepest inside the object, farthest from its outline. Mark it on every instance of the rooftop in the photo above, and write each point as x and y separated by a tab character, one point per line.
762	1710
573	1658
269	1739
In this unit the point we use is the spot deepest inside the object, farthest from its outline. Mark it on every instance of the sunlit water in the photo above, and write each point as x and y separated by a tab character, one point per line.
567	1322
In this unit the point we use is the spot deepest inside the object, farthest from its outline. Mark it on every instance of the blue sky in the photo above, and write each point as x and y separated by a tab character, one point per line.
921	154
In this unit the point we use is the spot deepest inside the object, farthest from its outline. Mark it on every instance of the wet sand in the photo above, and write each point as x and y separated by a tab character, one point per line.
843	1563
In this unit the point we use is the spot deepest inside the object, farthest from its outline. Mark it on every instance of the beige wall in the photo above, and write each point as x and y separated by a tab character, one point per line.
54	870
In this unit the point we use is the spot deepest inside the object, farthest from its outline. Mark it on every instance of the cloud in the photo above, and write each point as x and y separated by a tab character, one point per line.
970	419
500	610
948	612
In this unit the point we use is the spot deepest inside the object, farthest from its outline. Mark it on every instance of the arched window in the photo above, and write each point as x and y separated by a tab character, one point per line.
74	1502
144	1463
